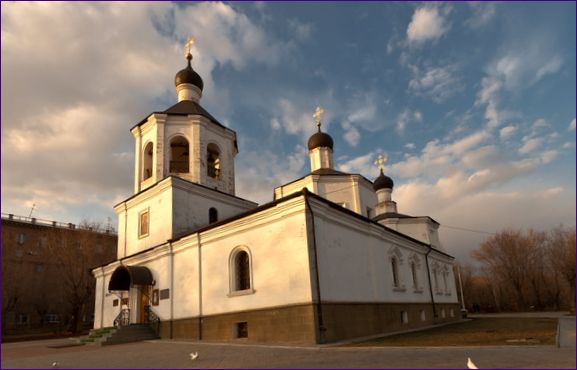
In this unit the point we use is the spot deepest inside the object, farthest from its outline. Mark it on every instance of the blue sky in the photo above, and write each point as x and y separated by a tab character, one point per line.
473	103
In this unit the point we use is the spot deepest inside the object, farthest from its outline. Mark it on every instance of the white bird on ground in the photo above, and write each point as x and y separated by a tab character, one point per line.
193	355
470	364
55	364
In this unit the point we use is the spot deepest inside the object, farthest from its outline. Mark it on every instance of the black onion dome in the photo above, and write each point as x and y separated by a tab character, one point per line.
320	139
188	76
383	182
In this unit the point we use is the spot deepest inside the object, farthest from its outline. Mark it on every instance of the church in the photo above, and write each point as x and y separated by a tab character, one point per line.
329	259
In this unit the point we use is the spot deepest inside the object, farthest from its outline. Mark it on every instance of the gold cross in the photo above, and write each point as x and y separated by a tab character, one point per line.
317	115
188	44
380	162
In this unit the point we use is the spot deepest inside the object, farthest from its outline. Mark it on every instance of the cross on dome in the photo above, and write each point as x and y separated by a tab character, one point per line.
317	115
188	44
380	161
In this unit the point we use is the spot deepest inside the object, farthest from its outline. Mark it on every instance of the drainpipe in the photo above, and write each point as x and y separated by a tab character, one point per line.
430	285
125	226
461	289
321	326
171	288
199	287
102	300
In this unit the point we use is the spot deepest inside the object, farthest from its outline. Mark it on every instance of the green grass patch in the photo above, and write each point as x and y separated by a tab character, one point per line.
476	332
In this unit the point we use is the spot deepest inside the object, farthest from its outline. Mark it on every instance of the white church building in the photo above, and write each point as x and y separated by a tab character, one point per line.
329	259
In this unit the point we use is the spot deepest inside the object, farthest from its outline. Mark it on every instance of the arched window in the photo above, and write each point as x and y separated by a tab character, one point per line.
212	215
213	161
414	274
179	155
147	161
395	270
445	282
240	271
436	276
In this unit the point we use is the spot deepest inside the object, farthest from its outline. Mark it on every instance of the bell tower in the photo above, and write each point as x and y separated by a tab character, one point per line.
185	140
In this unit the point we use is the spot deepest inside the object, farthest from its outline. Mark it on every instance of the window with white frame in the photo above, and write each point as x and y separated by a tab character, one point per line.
395	271
414	275
395	263
240	267
143	223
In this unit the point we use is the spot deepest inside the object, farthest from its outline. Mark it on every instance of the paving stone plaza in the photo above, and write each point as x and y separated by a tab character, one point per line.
176	354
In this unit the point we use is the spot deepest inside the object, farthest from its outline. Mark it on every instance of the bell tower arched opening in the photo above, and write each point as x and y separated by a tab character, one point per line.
213	161
179	155
147	161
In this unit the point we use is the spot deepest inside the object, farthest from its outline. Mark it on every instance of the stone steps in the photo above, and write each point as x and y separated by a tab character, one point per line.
122	334
130	333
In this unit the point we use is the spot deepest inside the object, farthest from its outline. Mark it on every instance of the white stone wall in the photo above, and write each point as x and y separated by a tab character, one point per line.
191	206
420	228
354	262
350	191
174	207
276	239
293	187
158	202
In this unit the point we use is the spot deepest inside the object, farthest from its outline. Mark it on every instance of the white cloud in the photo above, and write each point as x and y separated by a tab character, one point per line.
540	123
549	156
572	125
482	14
406	117
302	31
276	170
427	24
525	67
365	113
352	137
437	83
72	140
530	145
492	210
410	146
550	67
275	123
506	132
438	158
295	119
362	164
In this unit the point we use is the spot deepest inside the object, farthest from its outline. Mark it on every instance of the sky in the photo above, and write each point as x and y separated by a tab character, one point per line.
472	103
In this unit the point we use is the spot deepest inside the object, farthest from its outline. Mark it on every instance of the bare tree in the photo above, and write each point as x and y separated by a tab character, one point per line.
11	293
561	251
526	270
506	259
74	255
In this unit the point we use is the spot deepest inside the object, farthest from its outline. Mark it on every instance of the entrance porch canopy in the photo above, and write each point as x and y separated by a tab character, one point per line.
125	276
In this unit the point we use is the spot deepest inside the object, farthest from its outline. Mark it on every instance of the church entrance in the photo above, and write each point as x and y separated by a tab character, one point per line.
136	282
143	304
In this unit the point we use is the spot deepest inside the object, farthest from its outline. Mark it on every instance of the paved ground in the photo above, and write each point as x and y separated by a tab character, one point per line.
163	354
175	354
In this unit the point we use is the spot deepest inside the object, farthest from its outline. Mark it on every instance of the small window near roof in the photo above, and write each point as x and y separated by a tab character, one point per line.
143	227
212	215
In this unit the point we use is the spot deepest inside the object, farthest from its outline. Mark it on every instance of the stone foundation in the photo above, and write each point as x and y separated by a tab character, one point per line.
297	325
344	321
